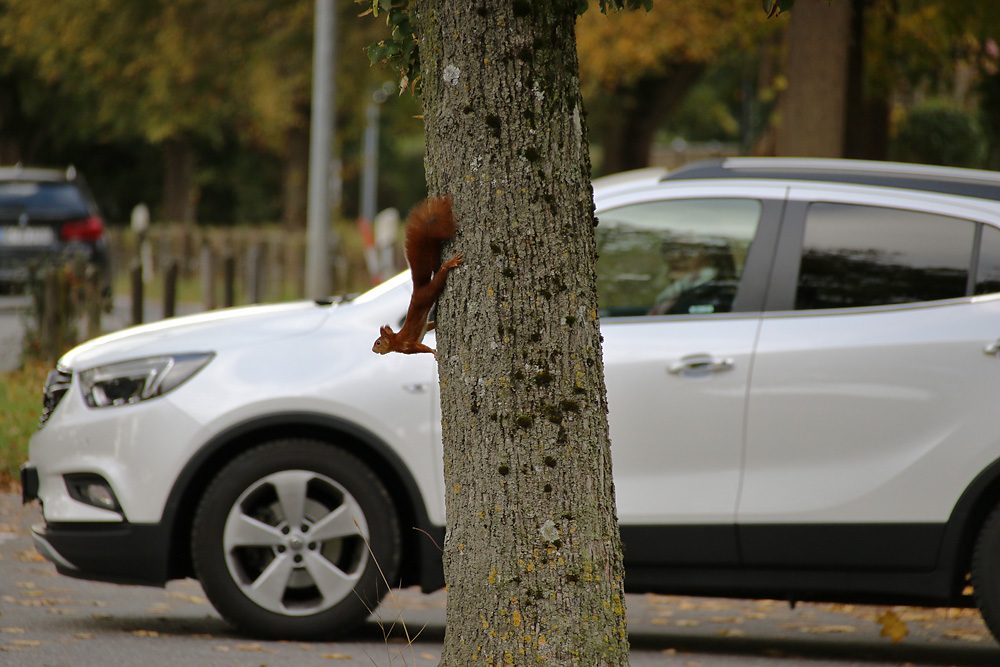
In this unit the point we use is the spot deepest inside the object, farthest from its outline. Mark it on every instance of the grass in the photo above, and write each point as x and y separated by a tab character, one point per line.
20	405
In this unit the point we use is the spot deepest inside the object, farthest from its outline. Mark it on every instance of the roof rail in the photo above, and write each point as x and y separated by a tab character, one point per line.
949	180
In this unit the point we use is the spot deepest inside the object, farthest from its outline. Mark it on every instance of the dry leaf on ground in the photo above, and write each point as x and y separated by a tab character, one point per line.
893	627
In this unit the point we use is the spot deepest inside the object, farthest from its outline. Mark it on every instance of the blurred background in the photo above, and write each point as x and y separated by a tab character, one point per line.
200	109
192	117
190	121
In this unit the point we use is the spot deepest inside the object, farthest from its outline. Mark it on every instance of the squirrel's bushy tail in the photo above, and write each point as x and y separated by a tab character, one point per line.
434	218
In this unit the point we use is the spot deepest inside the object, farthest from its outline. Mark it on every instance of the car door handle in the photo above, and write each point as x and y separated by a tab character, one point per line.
700	364
993	349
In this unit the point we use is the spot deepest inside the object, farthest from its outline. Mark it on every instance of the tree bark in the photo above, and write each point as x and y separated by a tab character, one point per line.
533	553
813	107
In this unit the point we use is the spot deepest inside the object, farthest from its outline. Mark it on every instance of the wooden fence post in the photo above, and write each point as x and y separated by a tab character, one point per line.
229	281
207	268
137	305
49	329
170	289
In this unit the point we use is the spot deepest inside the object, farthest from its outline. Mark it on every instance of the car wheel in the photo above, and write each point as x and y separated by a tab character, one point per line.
295	539
986	573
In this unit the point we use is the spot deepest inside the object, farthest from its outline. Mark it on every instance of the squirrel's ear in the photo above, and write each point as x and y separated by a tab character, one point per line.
385	331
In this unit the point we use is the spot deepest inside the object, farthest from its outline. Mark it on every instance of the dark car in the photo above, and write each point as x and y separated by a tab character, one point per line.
48	216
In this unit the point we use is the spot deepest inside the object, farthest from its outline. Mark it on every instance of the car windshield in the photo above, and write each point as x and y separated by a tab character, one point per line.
41	200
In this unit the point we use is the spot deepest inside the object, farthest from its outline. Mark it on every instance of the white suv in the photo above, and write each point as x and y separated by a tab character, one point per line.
802	368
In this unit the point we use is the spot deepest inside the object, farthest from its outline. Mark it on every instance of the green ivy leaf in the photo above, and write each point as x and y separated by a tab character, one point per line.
377	52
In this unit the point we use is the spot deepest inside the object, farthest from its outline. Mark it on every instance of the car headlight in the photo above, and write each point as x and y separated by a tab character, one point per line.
132	381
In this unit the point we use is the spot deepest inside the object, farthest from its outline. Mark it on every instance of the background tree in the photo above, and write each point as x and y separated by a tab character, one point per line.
205	103
813	107
636	68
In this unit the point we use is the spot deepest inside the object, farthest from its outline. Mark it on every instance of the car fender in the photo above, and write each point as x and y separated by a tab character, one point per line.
421	537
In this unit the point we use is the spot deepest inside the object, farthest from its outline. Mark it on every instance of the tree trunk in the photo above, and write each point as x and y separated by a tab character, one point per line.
866	131
813	107
180	194
636	113
533	553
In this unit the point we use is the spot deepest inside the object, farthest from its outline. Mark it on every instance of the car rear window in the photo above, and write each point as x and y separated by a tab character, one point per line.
41	200
855	256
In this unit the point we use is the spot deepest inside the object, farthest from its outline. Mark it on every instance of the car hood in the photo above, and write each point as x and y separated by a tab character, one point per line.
205	332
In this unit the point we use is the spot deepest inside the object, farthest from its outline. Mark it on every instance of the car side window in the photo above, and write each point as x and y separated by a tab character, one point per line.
679	256
855	256
988	271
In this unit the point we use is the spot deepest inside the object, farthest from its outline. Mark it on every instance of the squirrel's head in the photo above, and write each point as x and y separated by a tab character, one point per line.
384	343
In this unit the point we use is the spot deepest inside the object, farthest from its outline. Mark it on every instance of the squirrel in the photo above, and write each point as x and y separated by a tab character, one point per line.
429	224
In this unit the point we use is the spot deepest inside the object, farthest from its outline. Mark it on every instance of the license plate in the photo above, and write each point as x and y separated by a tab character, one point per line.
26	236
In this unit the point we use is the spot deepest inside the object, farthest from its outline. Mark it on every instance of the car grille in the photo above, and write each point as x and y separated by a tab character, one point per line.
56	386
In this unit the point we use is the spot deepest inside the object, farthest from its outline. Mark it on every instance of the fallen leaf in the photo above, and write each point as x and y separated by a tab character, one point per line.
731	632
26	642
145	633
828	629
254	647
13	631
429	656
34	603
892	626
337	656
84	635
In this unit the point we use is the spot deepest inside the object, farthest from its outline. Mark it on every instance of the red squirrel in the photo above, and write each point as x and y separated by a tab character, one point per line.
429	224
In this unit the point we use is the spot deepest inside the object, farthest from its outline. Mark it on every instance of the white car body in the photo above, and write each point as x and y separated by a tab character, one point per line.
836	453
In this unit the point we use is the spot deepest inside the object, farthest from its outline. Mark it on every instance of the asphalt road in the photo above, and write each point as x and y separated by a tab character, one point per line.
48	620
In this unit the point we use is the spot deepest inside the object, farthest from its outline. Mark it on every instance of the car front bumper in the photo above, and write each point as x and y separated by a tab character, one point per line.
120	553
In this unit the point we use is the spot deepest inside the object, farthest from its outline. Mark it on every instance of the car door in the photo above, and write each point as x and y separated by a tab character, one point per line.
875	381
680	285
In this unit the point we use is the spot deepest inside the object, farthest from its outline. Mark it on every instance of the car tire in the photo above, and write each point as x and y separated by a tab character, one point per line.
986	571
295	539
